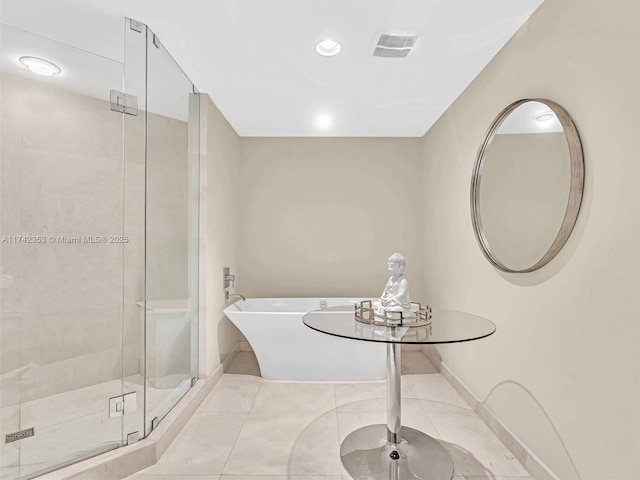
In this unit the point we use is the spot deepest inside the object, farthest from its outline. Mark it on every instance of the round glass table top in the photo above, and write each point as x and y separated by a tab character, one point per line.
447	326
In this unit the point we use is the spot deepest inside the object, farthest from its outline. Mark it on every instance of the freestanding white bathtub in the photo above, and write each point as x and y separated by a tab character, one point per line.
287	349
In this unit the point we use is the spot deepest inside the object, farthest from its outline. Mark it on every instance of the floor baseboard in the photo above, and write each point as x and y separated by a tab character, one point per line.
231	357
536	468
432	355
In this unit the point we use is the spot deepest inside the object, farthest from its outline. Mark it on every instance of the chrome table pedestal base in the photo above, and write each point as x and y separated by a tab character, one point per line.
391	451
367	455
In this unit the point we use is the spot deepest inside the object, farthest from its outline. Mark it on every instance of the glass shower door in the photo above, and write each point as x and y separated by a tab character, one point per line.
171	232
61	256
99	248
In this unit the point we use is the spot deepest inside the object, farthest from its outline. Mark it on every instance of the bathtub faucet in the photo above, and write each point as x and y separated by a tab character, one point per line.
227	296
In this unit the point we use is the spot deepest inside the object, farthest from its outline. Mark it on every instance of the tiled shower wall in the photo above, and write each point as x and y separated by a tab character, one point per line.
64	174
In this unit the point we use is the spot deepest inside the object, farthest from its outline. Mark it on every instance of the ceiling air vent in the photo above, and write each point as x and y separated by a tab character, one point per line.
394	45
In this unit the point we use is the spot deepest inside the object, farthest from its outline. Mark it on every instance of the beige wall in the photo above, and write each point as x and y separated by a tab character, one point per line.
562	370
320	216
219	150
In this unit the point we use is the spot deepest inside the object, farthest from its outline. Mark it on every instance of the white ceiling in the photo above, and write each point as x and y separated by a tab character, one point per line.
257	59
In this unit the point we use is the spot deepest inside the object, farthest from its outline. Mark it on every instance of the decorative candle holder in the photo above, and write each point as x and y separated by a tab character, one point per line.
420	315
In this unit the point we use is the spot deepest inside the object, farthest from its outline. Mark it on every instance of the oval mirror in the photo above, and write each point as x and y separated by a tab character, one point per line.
527	185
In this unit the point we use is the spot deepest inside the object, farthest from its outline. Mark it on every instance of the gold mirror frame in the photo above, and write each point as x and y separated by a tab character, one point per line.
575	190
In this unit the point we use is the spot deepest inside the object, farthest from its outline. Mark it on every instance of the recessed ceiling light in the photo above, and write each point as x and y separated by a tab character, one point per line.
323	121
544	116
328	48
40	66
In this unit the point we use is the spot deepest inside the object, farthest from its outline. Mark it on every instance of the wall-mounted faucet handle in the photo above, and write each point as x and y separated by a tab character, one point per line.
227	278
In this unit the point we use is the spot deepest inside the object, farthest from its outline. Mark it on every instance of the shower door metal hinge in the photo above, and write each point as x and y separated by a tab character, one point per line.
193	381
124	103
122	404
156	41
133	437
13	437
154	423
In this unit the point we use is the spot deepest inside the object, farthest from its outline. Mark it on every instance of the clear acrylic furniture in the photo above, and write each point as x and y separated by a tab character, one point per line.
391	451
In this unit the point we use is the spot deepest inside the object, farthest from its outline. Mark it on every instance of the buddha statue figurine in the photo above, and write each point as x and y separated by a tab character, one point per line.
395	297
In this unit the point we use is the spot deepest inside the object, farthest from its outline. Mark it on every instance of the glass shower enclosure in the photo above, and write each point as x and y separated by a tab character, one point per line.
98	247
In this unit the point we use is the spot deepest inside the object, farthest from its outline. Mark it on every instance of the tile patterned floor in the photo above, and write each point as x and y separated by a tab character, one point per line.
254	429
